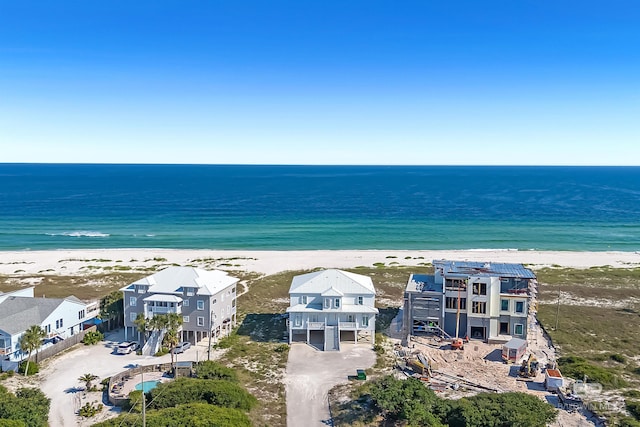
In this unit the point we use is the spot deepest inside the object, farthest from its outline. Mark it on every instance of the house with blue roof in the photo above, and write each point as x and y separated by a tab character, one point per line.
478	300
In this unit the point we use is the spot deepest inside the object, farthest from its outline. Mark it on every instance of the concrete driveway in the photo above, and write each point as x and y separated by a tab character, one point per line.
59	375
311	374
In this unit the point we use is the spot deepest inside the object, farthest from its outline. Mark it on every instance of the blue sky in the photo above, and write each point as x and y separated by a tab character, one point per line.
330	82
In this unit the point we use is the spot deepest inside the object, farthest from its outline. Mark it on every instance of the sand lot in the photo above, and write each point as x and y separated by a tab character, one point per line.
312	373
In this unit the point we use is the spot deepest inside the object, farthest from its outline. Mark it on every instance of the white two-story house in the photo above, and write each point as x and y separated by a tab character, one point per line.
332	306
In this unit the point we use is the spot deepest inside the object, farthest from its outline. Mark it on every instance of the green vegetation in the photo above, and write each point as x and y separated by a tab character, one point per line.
28	368
88	410
29	341
194	414
210	370
87	379
633	406
92	338
188	390
409	402
27	407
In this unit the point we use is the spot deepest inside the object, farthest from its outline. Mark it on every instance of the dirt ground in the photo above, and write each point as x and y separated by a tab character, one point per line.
312	373
479	367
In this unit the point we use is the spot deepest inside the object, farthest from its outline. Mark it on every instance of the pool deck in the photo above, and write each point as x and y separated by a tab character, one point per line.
129	383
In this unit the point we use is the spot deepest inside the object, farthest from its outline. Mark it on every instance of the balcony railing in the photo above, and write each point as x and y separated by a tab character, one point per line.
315	325
164	310
348	325
5	351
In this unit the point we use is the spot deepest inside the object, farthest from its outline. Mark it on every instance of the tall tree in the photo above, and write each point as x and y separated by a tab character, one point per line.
32	340
142	325
172	337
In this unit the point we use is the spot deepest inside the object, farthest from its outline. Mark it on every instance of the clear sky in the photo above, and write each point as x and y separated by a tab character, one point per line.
320	82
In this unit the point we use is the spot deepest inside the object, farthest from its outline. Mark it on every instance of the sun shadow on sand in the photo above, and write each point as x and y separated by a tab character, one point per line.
264	327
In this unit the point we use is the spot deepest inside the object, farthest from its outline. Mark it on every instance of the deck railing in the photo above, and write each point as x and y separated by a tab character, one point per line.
315	325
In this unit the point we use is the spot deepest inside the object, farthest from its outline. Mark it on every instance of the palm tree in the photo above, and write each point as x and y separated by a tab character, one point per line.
171	340
86	379
143	325
172	337
32	340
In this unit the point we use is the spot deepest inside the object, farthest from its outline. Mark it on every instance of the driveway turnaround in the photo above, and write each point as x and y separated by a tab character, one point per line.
312	373
59	375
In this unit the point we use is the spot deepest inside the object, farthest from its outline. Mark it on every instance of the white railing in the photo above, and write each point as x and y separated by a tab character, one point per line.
347	325
164	310
315	325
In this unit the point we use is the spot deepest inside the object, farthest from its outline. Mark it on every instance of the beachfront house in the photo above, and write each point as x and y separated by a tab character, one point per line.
479	300
331	306
60	318
205	299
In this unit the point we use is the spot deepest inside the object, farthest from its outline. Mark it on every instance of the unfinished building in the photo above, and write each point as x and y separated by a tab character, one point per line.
478	300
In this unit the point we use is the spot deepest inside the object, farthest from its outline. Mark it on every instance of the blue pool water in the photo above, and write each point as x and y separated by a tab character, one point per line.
147	386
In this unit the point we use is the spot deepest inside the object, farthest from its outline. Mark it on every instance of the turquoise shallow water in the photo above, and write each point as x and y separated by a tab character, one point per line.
319	207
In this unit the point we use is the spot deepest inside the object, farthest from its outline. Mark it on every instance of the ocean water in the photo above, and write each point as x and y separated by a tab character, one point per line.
53	206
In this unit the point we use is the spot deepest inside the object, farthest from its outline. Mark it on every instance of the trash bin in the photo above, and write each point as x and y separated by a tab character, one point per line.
362	375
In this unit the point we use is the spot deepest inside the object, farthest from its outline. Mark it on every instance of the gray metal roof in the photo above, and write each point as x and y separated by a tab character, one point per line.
486	269
423	283
17	314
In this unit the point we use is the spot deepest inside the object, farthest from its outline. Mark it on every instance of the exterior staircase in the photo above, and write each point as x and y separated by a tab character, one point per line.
153	343
331	338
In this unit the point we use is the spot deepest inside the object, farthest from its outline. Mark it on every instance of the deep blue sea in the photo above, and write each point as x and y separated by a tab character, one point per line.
55	206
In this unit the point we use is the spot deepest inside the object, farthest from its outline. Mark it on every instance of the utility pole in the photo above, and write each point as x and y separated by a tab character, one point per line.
557	310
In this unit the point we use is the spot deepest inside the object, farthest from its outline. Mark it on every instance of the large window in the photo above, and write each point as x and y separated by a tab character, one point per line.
452	303
200	304
504	304
479	307
133	301
518	329
200	321
519	306
479	288
132	317
365	321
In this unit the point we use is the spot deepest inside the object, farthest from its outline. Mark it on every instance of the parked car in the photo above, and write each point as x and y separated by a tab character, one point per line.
127	347
180	348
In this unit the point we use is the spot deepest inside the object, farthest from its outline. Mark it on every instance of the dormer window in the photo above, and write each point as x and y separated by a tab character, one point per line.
360	300
189	291
304	299
327	303
336	303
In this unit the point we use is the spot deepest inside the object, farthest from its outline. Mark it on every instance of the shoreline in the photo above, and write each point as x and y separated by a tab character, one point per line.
85	262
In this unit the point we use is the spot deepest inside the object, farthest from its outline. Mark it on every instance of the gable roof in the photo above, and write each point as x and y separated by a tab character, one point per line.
17	314
332	281
173	280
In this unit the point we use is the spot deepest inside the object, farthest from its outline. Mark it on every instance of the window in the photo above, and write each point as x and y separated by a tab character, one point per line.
214	301
132	316
479	288
233	303
200	304
233	290
519	329
504	304
61	324
141	289
336	303
304	299
133	301
185	303
298	320
519	306
200	321
350	318
47	328
57	324
360	300
189	292
80	314
452	303
479	307
185	319
365	321
327	303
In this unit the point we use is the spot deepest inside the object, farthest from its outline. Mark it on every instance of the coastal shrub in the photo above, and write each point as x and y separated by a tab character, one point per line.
28	406
628	422
192	390
161	352
88	410
33	368
282	348
632	393
618	358
194	414
210	370
578	367
134	403
633	406
92	338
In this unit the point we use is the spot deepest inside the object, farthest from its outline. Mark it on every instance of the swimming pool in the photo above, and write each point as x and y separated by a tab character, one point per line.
147	386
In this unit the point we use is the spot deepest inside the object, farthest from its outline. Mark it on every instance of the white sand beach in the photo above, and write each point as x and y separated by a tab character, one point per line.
80	261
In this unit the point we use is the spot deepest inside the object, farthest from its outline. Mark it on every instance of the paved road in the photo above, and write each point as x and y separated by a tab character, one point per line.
312	373
59	377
